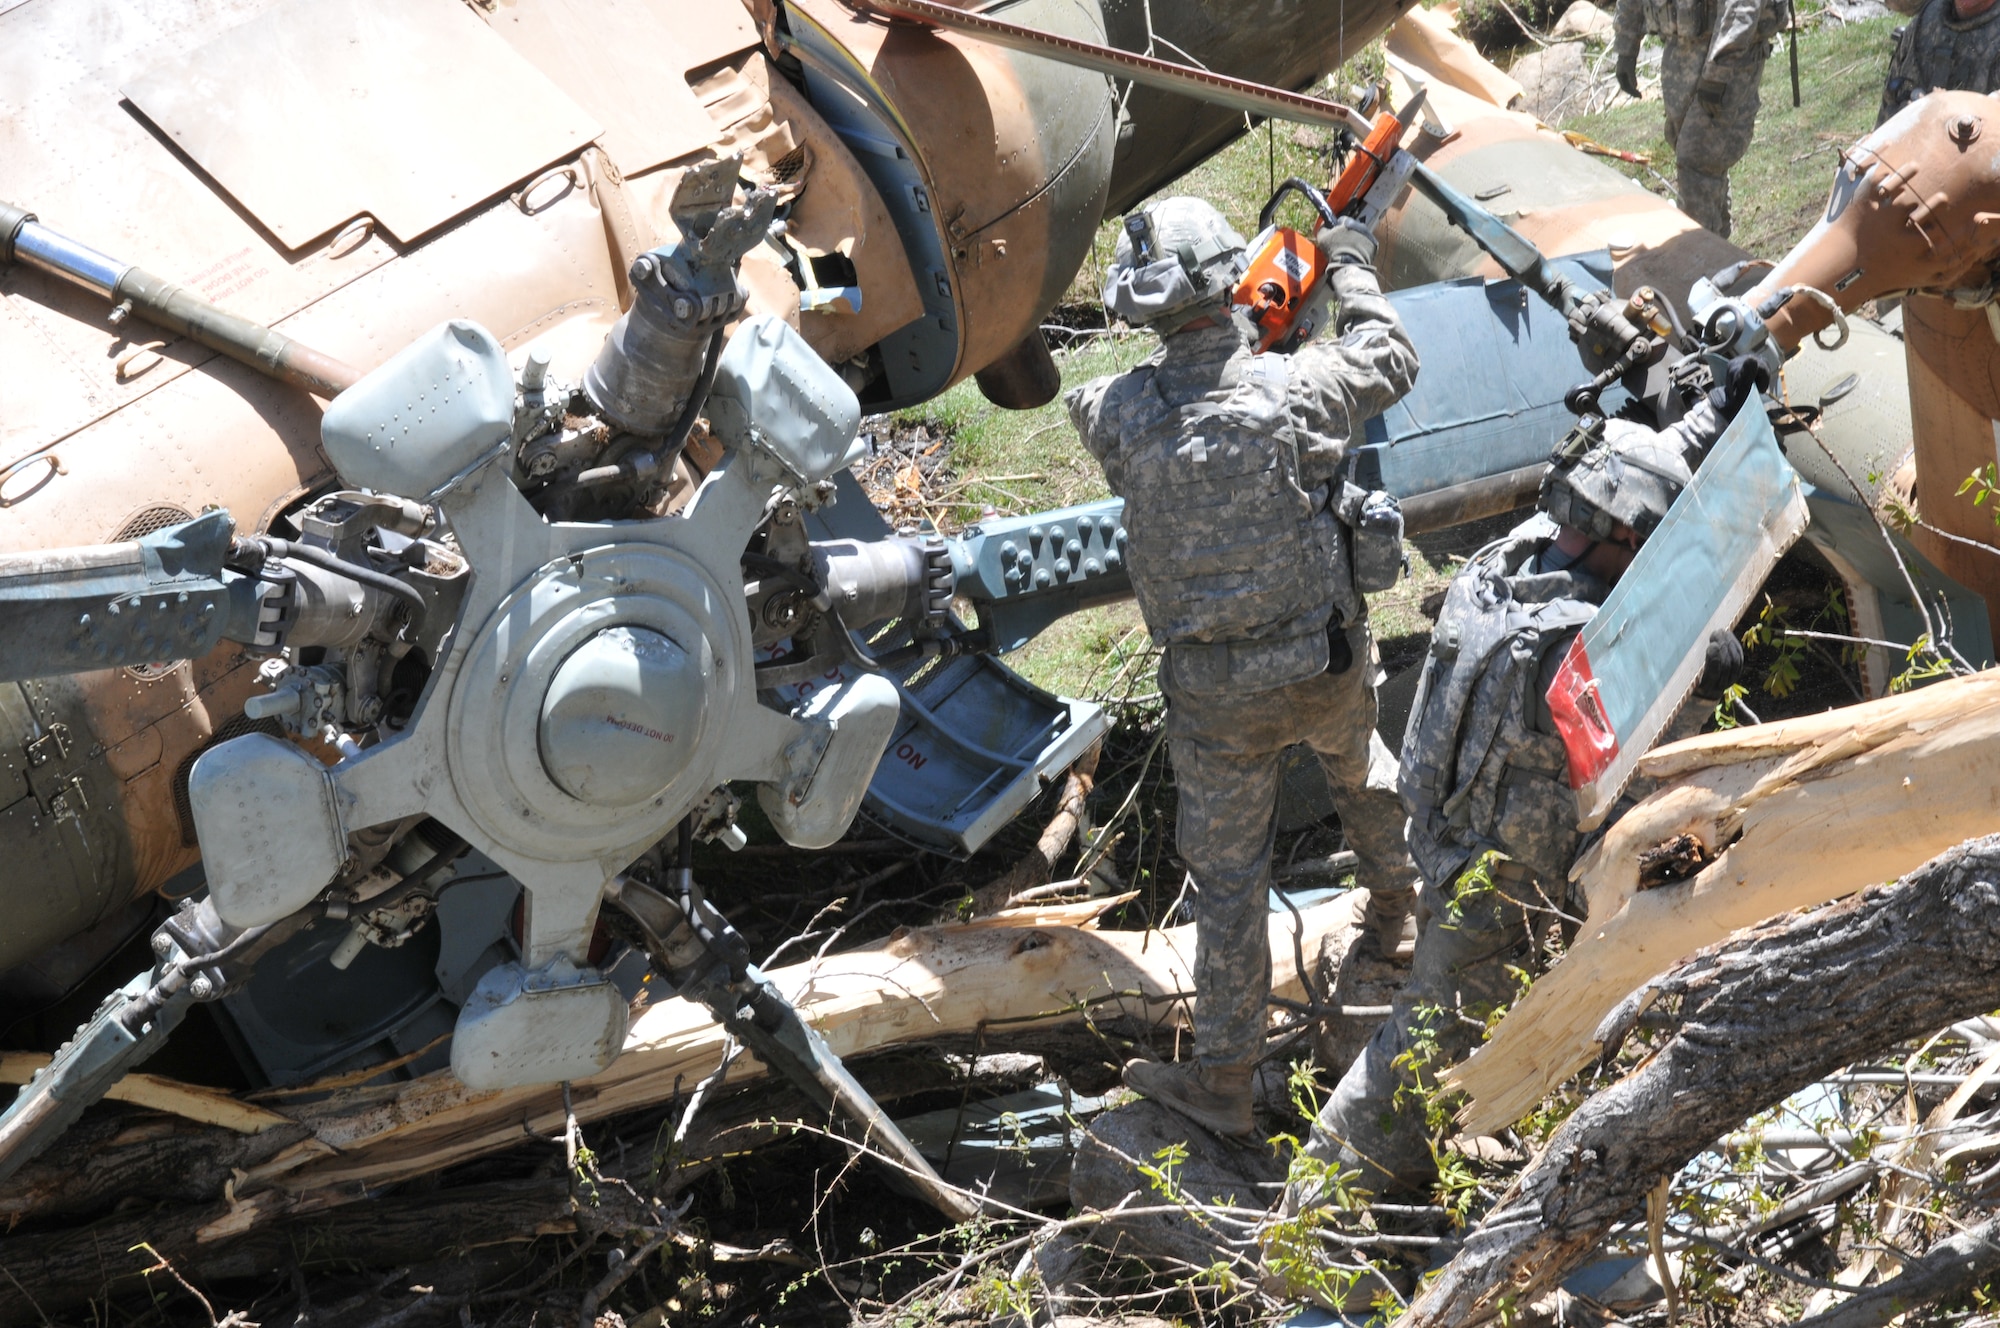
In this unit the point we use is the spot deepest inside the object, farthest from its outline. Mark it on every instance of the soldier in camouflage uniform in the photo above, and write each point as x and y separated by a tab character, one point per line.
1243	561
1951	44
1714	52
1483	769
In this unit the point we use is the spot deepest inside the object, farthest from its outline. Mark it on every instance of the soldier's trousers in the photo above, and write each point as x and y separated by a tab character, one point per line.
1228	754
1460	974
1707	145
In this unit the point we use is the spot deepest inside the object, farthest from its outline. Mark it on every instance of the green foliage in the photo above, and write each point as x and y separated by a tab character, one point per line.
1921	663
1782	676
1162	1173
1780	186
1474	883
1293	1252
1725	709
1774	630
1982	484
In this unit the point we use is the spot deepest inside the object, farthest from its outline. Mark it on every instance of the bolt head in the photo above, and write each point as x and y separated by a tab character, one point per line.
202	987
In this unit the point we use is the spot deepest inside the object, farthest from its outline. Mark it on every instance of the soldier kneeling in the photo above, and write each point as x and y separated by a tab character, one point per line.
1484	771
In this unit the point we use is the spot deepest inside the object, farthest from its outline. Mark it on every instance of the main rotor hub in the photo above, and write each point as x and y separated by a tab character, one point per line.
587	712
622	714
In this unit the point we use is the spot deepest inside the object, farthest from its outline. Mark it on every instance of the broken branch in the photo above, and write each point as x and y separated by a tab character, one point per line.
1752	1021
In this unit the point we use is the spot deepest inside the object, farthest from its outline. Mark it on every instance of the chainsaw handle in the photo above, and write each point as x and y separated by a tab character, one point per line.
1312	195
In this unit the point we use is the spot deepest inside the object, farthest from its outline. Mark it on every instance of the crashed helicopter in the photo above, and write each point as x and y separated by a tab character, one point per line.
331	600
606	557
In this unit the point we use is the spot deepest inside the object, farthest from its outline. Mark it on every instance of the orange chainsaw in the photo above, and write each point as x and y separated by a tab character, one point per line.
1284	287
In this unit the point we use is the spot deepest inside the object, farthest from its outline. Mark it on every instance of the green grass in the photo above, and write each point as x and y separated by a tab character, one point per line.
1021	461
1779	187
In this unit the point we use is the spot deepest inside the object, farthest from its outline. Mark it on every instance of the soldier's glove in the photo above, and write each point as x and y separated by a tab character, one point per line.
1628	73
1347	243
1746	374
1712	90
1722	667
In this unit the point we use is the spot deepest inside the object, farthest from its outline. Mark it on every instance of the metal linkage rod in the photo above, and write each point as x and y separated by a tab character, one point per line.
132	289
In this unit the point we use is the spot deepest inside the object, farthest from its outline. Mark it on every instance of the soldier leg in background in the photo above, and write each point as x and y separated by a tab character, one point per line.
1459	974
1340	714
1708	143
1226	754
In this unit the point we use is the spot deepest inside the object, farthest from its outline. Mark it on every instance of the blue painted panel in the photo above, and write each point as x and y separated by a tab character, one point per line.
1497	362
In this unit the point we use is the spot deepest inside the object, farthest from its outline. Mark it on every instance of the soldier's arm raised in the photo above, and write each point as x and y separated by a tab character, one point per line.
1085	405
1340	381
1628	29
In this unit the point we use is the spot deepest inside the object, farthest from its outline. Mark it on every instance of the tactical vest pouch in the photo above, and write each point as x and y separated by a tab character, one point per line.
1374	522
1473	774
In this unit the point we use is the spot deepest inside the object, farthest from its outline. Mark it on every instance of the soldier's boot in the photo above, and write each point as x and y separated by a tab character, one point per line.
1392	921
1705	197
1215	1097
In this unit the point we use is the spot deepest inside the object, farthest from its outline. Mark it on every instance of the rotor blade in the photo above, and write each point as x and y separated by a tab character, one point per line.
1219	89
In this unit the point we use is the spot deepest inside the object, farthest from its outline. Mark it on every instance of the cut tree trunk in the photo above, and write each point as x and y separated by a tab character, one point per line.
1792	813
1030	969
1750	1022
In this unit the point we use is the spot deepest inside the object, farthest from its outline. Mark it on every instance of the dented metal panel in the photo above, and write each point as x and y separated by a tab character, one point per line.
412	111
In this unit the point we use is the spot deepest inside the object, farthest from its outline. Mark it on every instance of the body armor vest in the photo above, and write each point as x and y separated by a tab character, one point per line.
1476	773
1238	569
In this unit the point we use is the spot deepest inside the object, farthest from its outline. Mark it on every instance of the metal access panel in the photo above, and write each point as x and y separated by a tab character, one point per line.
918	357
1635	662
1497	361
975	741
623	61
412	111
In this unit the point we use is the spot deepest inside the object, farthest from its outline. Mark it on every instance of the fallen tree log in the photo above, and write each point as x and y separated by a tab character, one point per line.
1952	1267
1787	815
1749	1023
1005	974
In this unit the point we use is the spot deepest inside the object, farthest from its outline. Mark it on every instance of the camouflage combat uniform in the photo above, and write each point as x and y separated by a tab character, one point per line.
1226	459
1483	769
1940	50
1722	43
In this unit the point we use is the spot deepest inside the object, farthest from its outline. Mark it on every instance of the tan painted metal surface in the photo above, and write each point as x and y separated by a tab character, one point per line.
1913	205
610	57
102	424
1014	148
411	111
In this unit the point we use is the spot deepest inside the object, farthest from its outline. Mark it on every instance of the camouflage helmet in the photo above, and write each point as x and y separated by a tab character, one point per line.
1606	476
1175	259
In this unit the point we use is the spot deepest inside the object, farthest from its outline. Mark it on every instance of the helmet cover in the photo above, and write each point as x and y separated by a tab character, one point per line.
1185	259
1628	478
